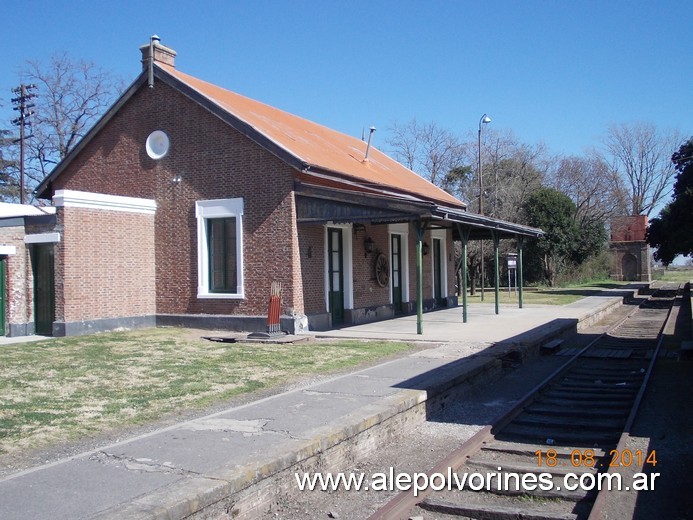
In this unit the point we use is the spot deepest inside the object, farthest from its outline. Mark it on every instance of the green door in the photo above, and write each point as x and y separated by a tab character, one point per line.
3	293
396	263
335	273
437	278
44	300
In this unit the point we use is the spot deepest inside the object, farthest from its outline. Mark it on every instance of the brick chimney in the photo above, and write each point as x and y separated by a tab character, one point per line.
162	54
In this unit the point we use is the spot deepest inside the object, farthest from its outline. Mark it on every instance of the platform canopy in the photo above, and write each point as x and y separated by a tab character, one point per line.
322	205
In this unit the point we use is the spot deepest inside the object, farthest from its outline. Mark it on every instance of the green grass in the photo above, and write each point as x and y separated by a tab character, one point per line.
571	293
543	295
65	389
674	274
530	296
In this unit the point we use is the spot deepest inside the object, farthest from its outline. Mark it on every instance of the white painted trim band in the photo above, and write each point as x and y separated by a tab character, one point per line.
84	199
42	238
8	250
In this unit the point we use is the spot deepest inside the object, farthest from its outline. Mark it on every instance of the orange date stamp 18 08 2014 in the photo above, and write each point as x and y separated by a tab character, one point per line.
588	459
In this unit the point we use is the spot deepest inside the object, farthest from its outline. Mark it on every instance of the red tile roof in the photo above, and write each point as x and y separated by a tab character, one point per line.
319	147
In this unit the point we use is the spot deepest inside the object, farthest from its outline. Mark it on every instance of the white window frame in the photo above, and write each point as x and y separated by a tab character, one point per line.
348	267
403	231
213	209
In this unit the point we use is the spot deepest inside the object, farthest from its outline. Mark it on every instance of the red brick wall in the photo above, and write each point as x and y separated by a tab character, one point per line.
428	265
104	265
629	229
367	292
311	247
19	277
214	162
297	303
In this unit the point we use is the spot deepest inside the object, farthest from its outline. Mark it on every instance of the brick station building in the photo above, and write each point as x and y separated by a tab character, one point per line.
186	201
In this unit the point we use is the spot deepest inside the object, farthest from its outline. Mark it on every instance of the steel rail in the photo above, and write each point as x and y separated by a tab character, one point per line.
400	506
600	503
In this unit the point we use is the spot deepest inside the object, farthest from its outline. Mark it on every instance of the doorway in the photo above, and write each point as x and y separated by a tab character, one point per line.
629	267
44	296
335	274
437	272
396	278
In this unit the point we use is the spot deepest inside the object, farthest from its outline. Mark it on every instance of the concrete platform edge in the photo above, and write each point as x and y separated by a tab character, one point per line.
246	491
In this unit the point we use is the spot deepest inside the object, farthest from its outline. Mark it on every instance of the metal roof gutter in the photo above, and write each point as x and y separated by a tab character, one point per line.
485	223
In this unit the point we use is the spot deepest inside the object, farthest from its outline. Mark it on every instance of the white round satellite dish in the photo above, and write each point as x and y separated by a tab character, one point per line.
157	145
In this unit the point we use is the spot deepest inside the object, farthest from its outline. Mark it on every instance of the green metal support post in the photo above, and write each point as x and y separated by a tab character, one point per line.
496	281
520	242
464	236
420	230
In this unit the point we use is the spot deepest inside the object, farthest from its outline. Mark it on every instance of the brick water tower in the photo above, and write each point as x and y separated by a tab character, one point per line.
630	254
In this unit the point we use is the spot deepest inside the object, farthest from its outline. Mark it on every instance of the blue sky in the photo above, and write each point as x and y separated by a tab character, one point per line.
556	72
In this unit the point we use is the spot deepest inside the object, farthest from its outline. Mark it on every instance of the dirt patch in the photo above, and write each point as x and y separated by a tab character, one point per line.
665	423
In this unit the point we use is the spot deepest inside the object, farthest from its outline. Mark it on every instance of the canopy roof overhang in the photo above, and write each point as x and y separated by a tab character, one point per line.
320	205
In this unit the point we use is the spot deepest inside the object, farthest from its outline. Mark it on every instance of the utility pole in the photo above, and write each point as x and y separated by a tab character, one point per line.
22	103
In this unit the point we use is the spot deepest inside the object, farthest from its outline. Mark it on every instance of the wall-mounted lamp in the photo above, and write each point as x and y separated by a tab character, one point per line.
176	180
368	245
424	248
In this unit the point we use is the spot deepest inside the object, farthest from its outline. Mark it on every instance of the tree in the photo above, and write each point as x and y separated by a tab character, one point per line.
670	232
596	189
454	181
512	172
427	149
640	153
564	243
553	212
72	95
9	185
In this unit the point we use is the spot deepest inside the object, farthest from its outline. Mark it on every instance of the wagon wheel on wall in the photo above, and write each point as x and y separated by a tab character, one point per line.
382	270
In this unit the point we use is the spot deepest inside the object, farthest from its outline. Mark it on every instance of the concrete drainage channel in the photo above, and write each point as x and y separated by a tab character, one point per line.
248	491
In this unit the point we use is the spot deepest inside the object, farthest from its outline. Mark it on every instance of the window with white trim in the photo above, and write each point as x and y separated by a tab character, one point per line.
220	248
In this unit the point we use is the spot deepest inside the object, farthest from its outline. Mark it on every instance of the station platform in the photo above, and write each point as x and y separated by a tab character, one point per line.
231	463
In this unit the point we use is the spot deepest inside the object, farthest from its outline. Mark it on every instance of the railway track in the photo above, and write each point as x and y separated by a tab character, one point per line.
550	455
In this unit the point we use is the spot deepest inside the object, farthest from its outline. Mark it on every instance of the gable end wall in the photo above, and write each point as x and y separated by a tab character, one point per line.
212	161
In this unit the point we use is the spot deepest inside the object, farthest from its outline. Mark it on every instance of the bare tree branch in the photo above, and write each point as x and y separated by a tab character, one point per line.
427	149
512	172
72	95
596	189
640	153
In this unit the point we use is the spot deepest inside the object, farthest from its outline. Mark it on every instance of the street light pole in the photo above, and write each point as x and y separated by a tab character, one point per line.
483	121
